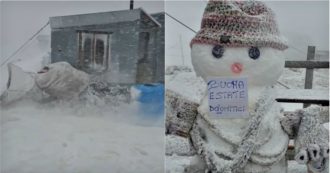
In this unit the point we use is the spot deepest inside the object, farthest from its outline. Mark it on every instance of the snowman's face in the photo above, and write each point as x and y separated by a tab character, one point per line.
262	66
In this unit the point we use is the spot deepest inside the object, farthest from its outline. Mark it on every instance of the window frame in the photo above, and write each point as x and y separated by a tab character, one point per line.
81	51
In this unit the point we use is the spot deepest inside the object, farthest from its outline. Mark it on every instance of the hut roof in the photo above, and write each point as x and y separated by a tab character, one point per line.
100	18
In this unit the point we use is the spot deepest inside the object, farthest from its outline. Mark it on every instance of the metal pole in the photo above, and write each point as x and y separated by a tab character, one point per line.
182	56
131	4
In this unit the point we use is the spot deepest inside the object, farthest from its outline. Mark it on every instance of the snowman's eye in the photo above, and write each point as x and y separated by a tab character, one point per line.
217	51
254	53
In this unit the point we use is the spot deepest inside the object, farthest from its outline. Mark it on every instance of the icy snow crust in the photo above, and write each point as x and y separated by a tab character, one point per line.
72	137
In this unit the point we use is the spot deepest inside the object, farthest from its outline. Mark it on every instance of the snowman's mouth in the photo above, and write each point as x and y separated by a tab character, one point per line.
236	68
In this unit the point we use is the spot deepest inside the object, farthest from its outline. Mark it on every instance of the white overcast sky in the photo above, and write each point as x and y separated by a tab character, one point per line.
21	19
302	22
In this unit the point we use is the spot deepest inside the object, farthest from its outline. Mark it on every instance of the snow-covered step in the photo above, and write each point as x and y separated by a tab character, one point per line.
303	96
294	167
177	164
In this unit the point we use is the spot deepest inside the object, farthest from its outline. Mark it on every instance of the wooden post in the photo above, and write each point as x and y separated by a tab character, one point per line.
309	71
309	76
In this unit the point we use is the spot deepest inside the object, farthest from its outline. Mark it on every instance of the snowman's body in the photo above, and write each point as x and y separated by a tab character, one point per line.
223	143
223	135
241	39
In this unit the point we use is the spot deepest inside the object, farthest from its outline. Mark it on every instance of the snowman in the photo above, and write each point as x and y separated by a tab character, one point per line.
241	39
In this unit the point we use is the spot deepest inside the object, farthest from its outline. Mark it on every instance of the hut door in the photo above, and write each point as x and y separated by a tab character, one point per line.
94	51
144	72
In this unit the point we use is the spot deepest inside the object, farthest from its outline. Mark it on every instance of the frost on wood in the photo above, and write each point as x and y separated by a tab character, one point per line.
312	141
180	114
290	121
178	145
183	93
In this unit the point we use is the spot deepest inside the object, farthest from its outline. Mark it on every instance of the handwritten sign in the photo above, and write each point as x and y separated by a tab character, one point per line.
228	97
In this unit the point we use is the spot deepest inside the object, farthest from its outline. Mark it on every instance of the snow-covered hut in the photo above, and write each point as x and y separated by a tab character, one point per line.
124	47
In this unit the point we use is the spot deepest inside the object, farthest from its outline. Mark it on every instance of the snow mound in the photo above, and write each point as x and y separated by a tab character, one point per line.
187	84
61	80
70	137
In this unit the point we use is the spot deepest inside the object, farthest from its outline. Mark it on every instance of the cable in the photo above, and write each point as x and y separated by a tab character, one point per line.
180	22
23	45
283	84
299	50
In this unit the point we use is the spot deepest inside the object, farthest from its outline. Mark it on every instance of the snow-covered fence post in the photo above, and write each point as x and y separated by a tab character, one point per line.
309	96
309	75
309	71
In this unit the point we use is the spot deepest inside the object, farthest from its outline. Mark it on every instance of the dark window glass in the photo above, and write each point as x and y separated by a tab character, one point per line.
87	51
99	51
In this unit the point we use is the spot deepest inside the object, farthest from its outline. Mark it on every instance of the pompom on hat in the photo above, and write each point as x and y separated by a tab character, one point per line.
239	24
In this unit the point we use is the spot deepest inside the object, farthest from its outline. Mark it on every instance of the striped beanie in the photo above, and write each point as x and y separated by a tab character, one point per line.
239	23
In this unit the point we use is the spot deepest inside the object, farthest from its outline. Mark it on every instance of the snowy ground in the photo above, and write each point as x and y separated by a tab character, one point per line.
61	137
177	164
294	78
73	138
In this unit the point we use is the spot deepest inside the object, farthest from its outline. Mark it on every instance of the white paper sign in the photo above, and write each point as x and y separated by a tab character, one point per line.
228	97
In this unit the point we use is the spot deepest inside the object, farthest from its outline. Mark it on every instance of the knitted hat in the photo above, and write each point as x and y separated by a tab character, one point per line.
239	23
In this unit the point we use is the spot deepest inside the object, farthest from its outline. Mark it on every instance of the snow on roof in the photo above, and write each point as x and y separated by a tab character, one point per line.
151	18
99	18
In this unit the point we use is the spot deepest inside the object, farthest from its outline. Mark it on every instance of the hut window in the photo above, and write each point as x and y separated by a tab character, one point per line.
94	51
99	51
87	52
